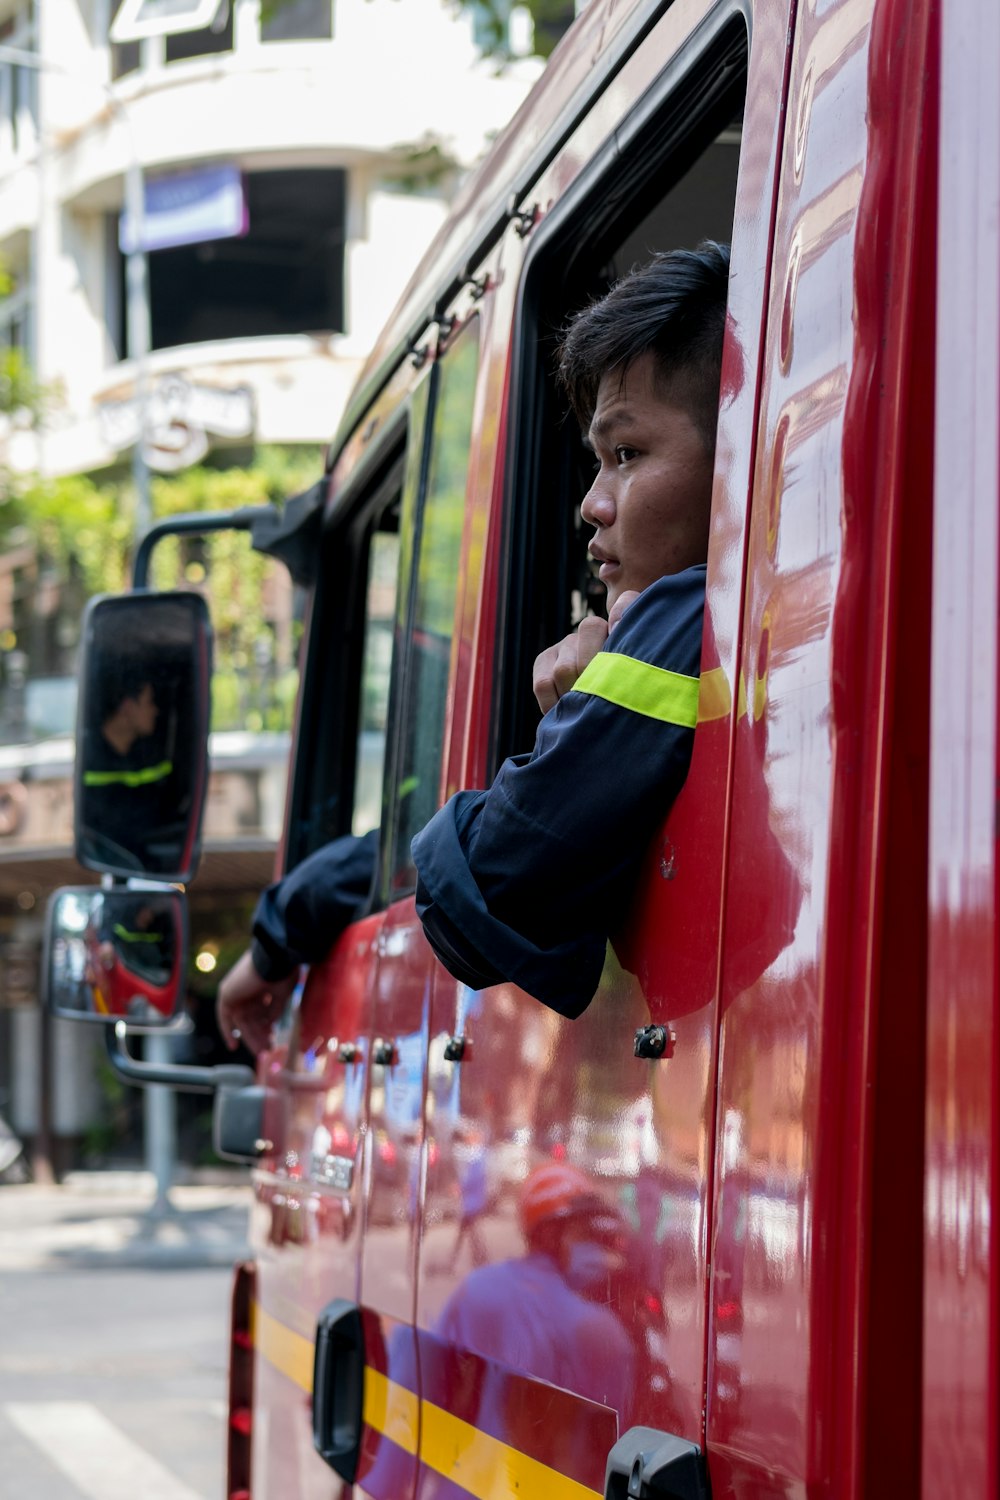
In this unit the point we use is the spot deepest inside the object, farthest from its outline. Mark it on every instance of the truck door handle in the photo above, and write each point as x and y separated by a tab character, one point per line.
384	1053
338	1385
645	1463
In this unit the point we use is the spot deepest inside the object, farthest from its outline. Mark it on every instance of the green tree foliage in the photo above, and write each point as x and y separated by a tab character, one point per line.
75	524
550	19
19	390
82	529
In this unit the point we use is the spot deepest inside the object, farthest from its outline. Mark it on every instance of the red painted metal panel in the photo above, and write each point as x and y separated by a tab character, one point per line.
798	1088
961	1349
394	1177
537	1088
307	1234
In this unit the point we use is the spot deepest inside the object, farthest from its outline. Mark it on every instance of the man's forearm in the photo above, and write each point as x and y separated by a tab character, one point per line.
299	917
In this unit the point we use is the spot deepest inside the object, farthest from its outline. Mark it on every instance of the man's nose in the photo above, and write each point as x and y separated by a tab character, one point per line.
597	506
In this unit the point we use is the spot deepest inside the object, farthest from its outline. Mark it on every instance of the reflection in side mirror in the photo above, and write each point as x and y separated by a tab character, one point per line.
142	735
114	954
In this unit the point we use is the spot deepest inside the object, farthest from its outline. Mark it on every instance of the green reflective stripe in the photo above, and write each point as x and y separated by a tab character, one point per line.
653	691
129	778
134	937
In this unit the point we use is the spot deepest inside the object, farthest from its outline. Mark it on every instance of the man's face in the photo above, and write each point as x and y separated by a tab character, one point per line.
651	497
143	711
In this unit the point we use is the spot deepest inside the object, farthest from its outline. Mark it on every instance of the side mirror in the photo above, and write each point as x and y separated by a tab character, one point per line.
142	734
115	954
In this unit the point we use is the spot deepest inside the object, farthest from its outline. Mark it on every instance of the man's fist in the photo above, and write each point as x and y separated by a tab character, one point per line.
619	607
557	668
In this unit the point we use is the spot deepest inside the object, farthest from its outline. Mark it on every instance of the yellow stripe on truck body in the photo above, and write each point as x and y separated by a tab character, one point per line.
481	1465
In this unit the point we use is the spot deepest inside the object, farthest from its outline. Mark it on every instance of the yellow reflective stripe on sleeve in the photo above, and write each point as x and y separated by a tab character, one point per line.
714	700
129	778
391	1409
487	1468
652	691
134	937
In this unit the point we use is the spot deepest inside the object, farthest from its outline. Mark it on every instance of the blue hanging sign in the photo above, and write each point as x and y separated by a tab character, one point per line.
188	208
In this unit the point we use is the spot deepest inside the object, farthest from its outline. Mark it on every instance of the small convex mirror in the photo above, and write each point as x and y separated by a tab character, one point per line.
116	954
142	734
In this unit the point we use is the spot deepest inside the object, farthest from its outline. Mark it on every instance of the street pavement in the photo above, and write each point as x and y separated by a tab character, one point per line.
113	1338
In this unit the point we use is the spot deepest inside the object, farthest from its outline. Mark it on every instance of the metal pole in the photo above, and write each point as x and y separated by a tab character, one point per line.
159	1120
138	333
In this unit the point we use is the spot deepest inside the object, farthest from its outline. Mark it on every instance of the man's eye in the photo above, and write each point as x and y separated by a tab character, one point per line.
623	453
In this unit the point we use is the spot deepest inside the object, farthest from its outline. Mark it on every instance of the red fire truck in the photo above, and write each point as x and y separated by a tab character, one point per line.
495	1253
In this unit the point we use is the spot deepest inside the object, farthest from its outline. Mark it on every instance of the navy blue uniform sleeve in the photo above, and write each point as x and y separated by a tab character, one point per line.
298	917
525	881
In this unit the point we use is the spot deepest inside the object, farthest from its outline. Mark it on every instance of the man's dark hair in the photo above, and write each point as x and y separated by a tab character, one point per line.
673	308
125	680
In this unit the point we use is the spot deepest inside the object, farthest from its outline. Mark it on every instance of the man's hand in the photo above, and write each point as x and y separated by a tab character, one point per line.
557	667
619	607
247	1005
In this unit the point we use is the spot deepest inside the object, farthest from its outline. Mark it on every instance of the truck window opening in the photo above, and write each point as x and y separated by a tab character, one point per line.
669	201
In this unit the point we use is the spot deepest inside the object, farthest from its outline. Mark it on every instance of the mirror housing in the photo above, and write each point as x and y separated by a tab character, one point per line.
116	954
142	734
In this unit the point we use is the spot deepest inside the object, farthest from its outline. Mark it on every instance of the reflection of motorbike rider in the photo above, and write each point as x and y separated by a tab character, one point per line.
130	957
535	1312
540	1315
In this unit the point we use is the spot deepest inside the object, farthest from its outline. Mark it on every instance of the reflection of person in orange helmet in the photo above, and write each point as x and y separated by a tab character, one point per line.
537	1317
533	1313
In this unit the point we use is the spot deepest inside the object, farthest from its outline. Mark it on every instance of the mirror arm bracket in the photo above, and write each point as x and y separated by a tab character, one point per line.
290	534
243	519
187	1077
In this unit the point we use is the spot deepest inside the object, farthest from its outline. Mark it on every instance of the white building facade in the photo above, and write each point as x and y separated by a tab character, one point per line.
345	124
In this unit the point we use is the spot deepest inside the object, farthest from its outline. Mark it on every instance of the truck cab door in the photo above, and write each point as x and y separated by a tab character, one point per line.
534	1363
404	969
310	1188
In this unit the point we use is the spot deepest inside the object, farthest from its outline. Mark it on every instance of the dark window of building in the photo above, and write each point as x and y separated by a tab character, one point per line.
286	275
296	20
18	85
215	38
125	56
